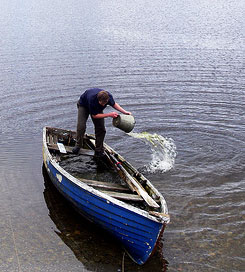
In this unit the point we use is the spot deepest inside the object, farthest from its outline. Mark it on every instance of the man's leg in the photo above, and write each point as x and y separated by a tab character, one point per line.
82	118
100	131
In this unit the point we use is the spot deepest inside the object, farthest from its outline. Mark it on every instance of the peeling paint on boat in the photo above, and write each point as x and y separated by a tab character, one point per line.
59	177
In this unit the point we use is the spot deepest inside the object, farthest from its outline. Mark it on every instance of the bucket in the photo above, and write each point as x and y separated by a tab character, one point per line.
124	122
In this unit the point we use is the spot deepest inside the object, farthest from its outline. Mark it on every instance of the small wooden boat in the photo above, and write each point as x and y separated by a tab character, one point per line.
125	203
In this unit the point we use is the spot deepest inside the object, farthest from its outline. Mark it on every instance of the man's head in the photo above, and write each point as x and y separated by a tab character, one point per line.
103	97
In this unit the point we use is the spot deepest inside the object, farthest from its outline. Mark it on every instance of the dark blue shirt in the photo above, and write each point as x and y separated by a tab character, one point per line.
90	101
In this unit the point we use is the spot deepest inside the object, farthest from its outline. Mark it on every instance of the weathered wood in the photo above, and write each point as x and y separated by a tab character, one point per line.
141	191
105	185
133	183
82	151
61	132
51	139
123	196
55	139
160	215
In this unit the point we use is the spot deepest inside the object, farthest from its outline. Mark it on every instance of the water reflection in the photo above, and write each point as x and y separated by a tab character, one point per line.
93	247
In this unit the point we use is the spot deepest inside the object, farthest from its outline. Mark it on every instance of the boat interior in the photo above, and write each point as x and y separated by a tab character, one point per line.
113	175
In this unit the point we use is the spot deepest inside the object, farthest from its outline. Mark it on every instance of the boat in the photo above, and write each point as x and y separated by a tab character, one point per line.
118	197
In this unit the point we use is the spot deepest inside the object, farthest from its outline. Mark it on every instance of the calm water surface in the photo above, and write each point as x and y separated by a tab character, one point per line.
178	66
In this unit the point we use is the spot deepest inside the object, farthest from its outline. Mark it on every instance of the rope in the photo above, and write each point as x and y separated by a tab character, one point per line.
123	261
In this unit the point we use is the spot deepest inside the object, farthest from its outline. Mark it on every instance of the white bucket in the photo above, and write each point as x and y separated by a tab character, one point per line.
124	122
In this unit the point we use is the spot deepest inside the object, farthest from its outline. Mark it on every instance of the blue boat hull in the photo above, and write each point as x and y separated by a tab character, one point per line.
137	229
137	233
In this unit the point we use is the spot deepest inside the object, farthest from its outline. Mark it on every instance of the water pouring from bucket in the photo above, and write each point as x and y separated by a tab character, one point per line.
124	122
163	151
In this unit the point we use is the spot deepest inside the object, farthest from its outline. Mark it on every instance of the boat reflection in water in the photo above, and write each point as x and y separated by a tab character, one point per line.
91	245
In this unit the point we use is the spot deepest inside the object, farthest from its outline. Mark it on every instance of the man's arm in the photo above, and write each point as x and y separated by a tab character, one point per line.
122	110
104	115
112	114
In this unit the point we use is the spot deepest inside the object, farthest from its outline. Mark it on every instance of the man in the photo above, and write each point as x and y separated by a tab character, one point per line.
92	102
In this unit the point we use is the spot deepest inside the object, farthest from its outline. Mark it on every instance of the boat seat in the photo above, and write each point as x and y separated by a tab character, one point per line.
82	151
114	190
106	185
124	196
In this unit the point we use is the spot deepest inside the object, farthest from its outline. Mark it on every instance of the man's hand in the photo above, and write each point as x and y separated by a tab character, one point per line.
128	113
113	114
122	110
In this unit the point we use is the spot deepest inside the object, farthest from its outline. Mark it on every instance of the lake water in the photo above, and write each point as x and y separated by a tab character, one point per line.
178	66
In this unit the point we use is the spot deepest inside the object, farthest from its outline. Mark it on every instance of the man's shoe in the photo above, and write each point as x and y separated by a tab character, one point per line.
99	154
76	150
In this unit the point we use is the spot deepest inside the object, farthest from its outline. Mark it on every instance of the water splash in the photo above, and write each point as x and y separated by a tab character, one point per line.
163	151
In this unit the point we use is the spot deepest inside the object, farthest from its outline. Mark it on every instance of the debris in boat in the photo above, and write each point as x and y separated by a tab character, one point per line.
88	168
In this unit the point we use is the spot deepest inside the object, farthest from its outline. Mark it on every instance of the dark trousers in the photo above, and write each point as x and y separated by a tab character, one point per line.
99	126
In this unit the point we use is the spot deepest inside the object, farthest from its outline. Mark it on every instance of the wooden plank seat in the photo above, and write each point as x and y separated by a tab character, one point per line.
105	185
124	196
82	151
114	190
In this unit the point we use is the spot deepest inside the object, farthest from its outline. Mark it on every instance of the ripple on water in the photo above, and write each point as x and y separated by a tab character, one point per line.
182	78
